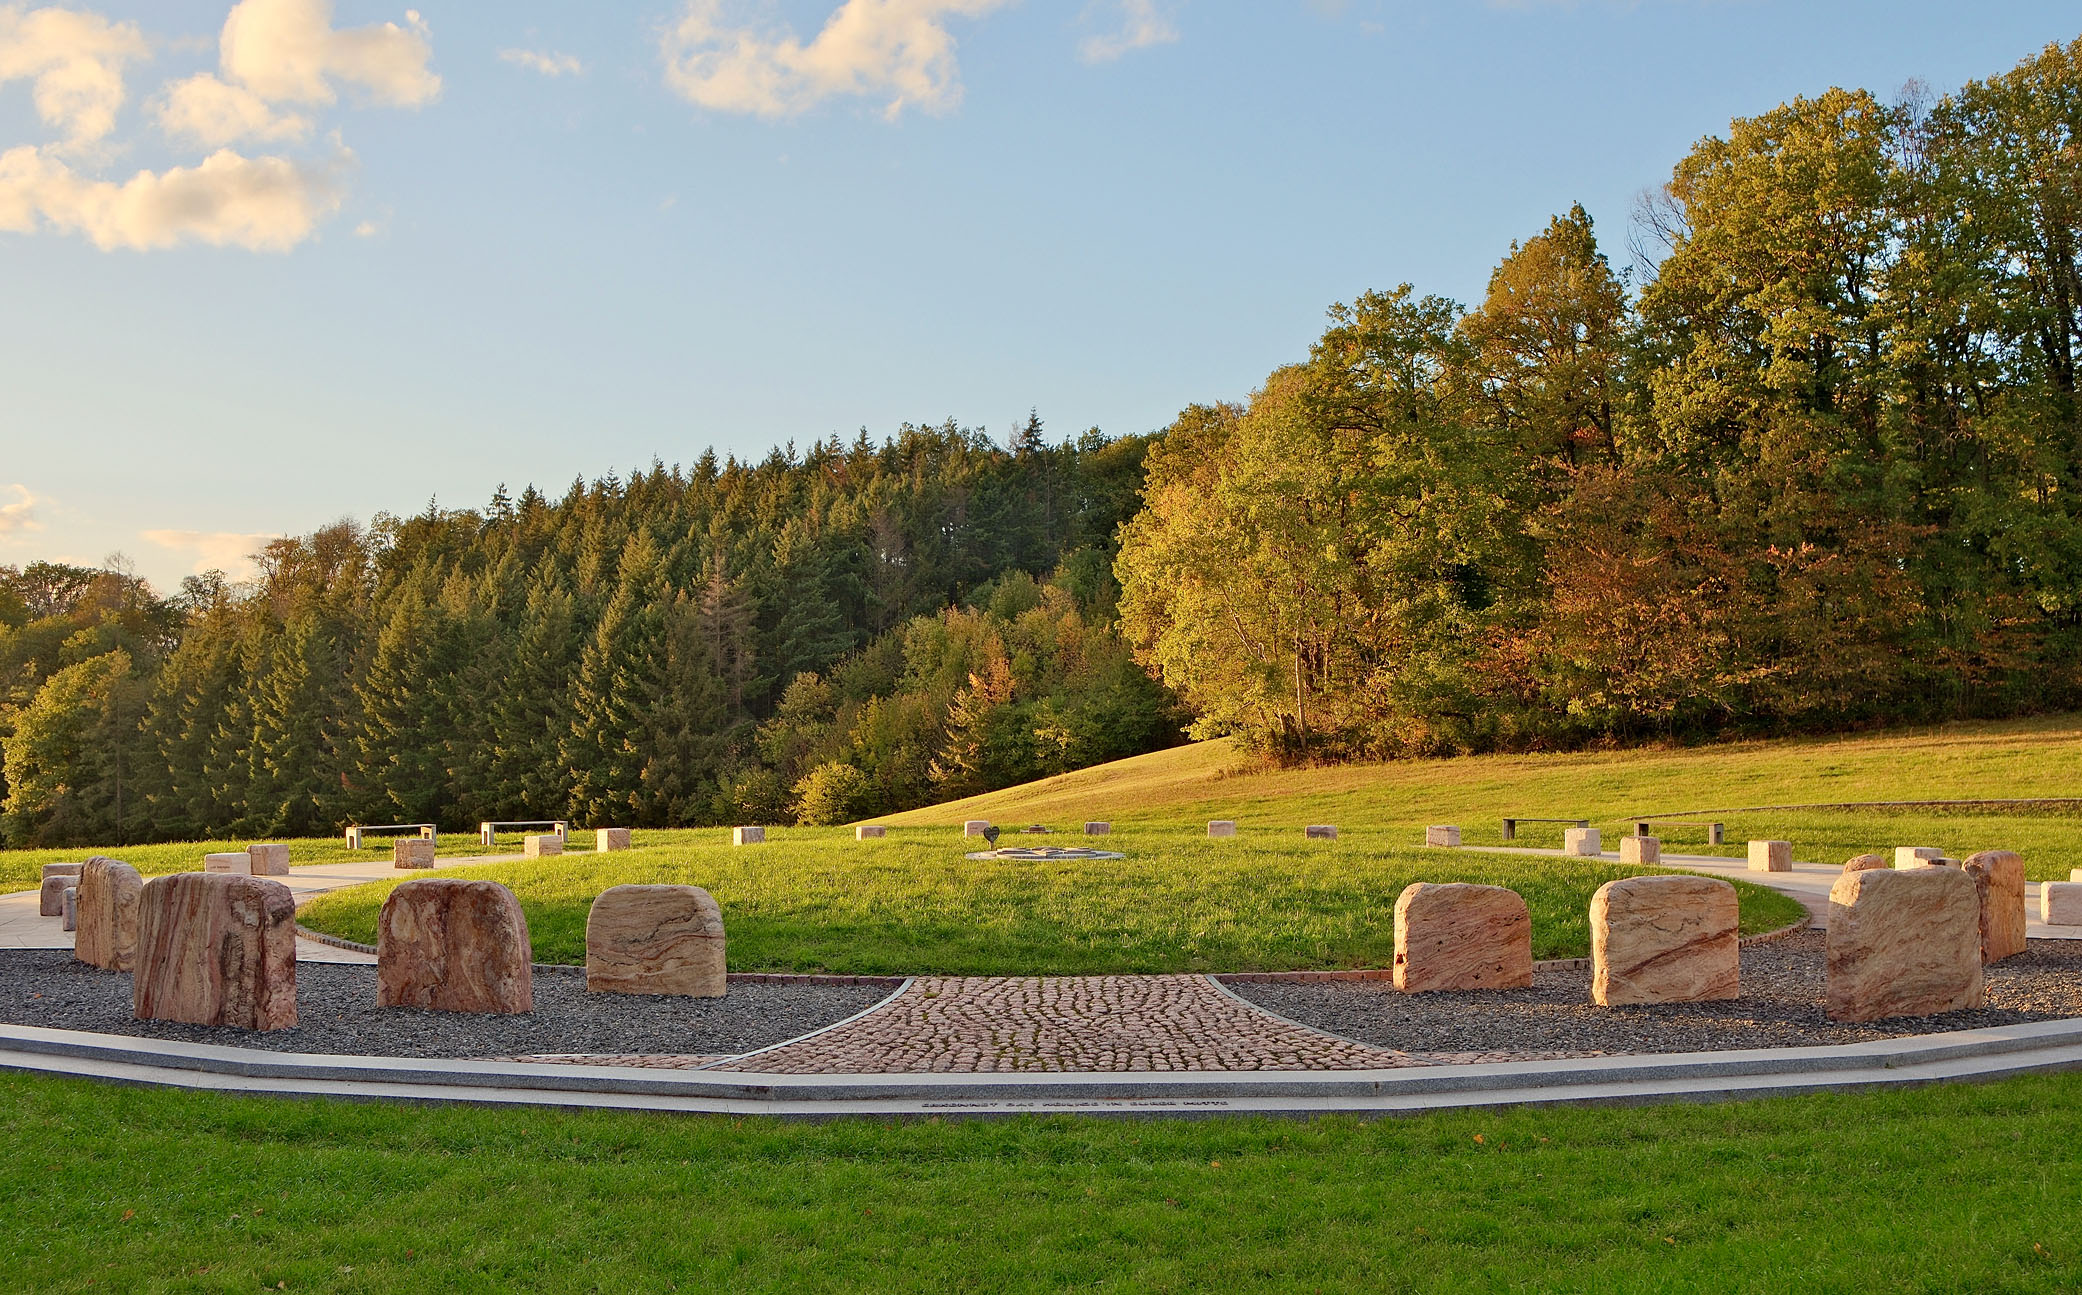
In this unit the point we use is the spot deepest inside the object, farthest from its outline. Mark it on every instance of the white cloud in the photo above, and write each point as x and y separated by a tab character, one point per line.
1143	24
287	51
76	62
262	203
213	114
228	551
868	48
19	516
547	62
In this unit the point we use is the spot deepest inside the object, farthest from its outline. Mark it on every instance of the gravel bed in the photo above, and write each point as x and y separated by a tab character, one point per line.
1781	1006
337	1012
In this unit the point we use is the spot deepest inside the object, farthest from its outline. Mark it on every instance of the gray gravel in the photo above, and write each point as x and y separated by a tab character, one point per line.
337	1012
1781	1006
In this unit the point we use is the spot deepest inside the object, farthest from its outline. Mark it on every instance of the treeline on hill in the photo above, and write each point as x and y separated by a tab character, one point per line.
1824	468
820	637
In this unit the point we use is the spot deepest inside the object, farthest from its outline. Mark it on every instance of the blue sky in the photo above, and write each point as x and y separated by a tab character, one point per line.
437	250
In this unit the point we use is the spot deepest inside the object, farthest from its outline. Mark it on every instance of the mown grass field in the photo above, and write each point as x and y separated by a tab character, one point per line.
1964	1188
20	869
814	899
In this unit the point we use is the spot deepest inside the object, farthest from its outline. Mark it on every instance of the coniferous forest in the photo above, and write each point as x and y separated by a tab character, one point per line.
1808	457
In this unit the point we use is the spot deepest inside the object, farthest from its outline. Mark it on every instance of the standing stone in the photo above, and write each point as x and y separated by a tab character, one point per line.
108	898
235	863
216	949
1915	856
655	940
1442	834
747	836
1098	829
1221	827
1582	842
1642	850
446	944
68	911
546	846
870	832
1903	942
975	827
2060	903
1999	878
50	900
606	839
1319	832
1861	862
268	860
1462	936
1665	940
51	870
411	852
1770	856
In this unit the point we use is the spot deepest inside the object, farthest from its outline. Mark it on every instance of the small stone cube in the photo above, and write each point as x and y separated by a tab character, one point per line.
239	864
1221	827
870	832
975	827
1098	829
68	912
1643	850
1582	842
610	838
1770	856
548	845
2060	903
1319	832
268	860
411	852
1442	834
1916	856
747	836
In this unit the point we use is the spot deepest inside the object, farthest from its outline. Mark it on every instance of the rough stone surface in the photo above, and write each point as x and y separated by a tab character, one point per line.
216	949
1582	842
1903	942
51	870
68	911
1999	878
235	863
546	846
1770	856
747	836
1320	832
870	832
610	838
1665	940
108	898
271	860
655	940
50	899
411	852
1915	856
446	944
1442	834
1643	850
1098	829
975	827
2060	903
1462	936
1221	827
1862	862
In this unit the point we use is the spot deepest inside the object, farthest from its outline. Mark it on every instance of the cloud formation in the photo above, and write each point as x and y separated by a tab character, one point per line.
1143	24
75	61
213	113
228	551
19	516
547	62
898	49
266	204
288	51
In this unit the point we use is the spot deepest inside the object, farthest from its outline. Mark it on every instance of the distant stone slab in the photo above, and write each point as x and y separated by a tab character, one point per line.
975	826
1665	940
107	904
234	863
1319	832
1582	842
1770	856
1447	834
216	949
655	940
411	852
51	870
447	944
50	898
269	860
1642	850
1462	936
548	845
2060	903
606	839
1098	829
1916	856
1221	827
1999	880
1863	862
1903	942
870	832
748	836
68	909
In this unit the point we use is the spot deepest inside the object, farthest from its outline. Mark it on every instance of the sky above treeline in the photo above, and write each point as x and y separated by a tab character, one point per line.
269	264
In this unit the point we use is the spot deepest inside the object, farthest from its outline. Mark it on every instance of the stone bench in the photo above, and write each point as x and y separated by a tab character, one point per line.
487	832
51	870
1716	833
268	860
1511	824
1916	856
50	896
355	833
1999	881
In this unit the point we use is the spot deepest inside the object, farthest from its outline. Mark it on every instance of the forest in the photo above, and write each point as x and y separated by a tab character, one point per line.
1810	459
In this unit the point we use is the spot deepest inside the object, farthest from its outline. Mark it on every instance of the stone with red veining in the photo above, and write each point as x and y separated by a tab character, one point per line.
411	852
1903	942
447	944
655	940
1462	936
1999	878
1665	940
216	949
107	903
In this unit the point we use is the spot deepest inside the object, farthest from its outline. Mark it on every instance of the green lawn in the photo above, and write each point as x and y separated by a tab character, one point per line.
20	869
1963	1188
817	900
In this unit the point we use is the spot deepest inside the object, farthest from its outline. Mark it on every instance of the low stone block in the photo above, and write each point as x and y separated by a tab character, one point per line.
1442	834
546	846
1915	856
1643	850
1098	829
655	940
411	852
1770	856
975	827
748	836
50	899
270	860
2075	874
447	944
606	839
1861	862
51	870
1221	827
1319	832
1903	942
1582	842
1462	936
870	832
216	949
1665	940
107	903
235	863
2060	903
68	911
1999	880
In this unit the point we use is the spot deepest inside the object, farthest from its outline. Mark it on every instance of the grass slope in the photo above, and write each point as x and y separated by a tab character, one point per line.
21	869
814	899
1957	1189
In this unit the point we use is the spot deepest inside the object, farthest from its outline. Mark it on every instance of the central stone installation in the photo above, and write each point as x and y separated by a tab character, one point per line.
445	944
